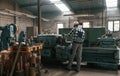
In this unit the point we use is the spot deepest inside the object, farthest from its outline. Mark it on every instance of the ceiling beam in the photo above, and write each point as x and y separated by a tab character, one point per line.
81	0
35	4
85	1
90	10
28	5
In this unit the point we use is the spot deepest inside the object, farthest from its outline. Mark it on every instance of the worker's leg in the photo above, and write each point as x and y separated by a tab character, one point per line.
74	48
79	56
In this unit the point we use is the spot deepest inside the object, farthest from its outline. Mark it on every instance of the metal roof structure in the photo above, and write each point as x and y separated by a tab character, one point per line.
75	5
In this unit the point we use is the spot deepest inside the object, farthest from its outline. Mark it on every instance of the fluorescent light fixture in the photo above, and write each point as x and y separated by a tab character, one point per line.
80	15
67	12
111	3
53	1
84	15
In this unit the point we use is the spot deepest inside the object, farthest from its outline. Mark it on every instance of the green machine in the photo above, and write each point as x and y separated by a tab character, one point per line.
52	46
98	50
49	42
91	35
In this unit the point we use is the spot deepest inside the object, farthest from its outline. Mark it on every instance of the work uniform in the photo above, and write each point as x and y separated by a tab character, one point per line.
78	36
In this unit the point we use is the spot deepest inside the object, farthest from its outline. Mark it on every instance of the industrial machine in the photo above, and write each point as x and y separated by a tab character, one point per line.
22	37
98	50
49	43
7	36
105	54
23	59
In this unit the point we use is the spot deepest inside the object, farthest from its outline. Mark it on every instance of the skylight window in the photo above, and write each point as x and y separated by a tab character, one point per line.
111	3
53	1
61	6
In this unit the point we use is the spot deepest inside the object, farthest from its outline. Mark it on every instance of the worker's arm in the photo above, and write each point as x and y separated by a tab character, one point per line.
70	34
83	37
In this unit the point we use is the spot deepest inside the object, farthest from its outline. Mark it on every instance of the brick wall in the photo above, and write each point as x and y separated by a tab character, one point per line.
22	21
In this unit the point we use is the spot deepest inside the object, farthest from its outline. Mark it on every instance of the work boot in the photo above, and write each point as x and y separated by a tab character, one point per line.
68	68
77	70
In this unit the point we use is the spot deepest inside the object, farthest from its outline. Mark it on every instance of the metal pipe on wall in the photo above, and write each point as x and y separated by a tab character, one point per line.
34	28
15	9
15	19
102	15
69	22
39	16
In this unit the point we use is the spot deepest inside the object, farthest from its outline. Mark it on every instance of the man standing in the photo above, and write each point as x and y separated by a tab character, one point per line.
77	34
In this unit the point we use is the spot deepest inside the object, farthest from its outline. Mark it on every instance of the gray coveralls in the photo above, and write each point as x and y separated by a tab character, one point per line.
76	47
77	51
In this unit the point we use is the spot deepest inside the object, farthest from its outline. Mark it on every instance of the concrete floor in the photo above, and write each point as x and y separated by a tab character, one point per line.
61	71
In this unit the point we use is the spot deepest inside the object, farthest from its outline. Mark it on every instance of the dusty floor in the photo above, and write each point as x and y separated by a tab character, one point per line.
85	71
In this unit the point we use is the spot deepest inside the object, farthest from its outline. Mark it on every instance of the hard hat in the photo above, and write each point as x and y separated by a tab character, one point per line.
76	23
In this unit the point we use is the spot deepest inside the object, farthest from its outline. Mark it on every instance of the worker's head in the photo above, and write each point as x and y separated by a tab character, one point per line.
76	23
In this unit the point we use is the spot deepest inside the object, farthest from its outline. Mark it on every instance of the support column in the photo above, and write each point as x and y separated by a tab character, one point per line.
39	17
15	9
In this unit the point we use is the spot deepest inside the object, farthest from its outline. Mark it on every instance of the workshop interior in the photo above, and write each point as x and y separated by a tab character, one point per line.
34	37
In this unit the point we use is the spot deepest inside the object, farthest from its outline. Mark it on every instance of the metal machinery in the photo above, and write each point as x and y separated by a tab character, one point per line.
22	37
54	48
23	59
7	36
100	51
105	54
49	43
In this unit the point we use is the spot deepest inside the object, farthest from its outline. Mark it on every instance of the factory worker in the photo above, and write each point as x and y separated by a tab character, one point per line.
78	35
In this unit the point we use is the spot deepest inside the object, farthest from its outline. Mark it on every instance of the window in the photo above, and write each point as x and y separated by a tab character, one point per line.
111	3
61	6
116	25
59	26
86	25
110	25
113	25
